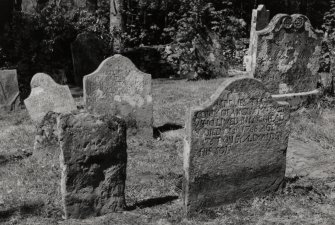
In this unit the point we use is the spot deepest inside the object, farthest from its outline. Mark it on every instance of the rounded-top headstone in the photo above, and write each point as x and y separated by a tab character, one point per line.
235	145
48	96
117	87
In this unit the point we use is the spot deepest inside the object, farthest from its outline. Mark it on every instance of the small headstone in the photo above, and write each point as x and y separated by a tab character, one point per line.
235	145
46	95
9	90
117	87
259	20
288	52
87	52
93	163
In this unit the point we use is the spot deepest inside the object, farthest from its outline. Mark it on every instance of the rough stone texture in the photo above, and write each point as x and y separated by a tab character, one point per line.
117	87
259	20
235	145
288	53
87	53
93	163
46	95
46	146
9	90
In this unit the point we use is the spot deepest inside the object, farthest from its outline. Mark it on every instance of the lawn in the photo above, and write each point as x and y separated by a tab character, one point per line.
29	187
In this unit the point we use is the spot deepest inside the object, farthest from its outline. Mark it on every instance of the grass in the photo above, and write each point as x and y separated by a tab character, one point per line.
29	188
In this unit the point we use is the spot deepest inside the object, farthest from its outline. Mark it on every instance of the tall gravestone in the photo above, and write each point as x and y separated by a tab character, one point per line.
93	160
117	87
259	20
46	95
87	52
9	90
235	145
288	52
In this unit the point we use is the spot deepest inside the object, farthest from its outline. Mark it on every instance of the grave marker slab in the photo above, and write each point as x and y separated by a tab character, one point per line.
259	20
117	87
235	145
93	161
9	90
288	52
46	95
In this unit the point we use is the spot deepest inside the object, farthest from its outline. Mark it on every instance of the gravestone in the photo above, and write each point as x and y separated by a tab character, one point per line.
117	87
93	162
46	95
288	52
87	52
259	20
9	90
235	145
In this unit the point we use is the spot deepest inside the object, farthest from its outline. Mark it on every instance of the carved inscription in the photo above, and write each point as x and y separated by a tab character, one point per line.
235	145
234	120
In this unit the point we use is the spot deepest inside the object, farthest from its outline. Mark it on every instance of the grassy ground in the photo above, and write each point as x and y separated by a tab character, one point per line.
29	188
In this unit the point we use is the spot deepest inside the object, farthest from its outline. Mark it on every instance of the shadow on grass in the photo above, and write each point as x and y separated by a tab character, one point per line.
166	127
19	155
27	209
152	202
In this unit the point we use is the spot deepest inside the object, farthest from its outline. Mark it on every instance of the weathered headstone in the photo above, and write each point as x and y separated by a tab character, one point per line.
93	162
259	20
46	95
9	90
235	145
288	52
117	87
87	52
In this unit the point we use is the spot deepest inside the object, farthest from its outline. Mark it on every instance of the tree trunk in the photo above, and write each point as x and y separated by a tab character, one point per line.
117	24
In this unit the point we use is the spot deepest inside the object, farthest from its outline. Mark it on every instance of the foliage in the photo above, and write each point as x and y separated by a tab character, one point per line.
40	42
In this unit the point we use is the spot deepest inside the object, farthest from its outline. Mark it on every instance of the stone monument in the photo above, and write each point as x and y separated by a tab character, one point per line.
235	145
9	90
117	87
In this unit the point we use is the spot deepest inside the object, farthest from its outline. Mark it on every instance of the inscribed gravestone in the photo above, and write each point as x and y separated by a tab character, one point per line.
260	19
46	95
117	87
9	90
93	161
235	145
87	52
288	52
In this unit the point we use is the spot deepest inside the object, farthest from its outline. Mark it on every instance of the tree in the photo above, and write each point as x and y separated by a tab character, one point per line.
117	24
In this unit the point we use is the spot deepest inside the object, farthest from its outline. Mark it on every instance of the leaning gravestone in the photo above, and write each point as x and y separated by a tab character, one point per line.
235	145
259	20
117	87
288	52
9	90
93	162
87	52
46	95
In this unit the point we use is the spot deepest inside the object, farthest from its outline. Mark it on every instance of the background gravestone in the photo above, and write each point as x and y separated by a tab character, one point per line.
46	95
259	20
87	53
117	87
288	52
235	145
93	163
9	90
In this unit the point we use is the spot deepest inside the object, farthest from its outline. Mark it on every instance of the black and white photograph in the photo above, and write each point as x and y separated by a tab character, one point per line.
167	112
